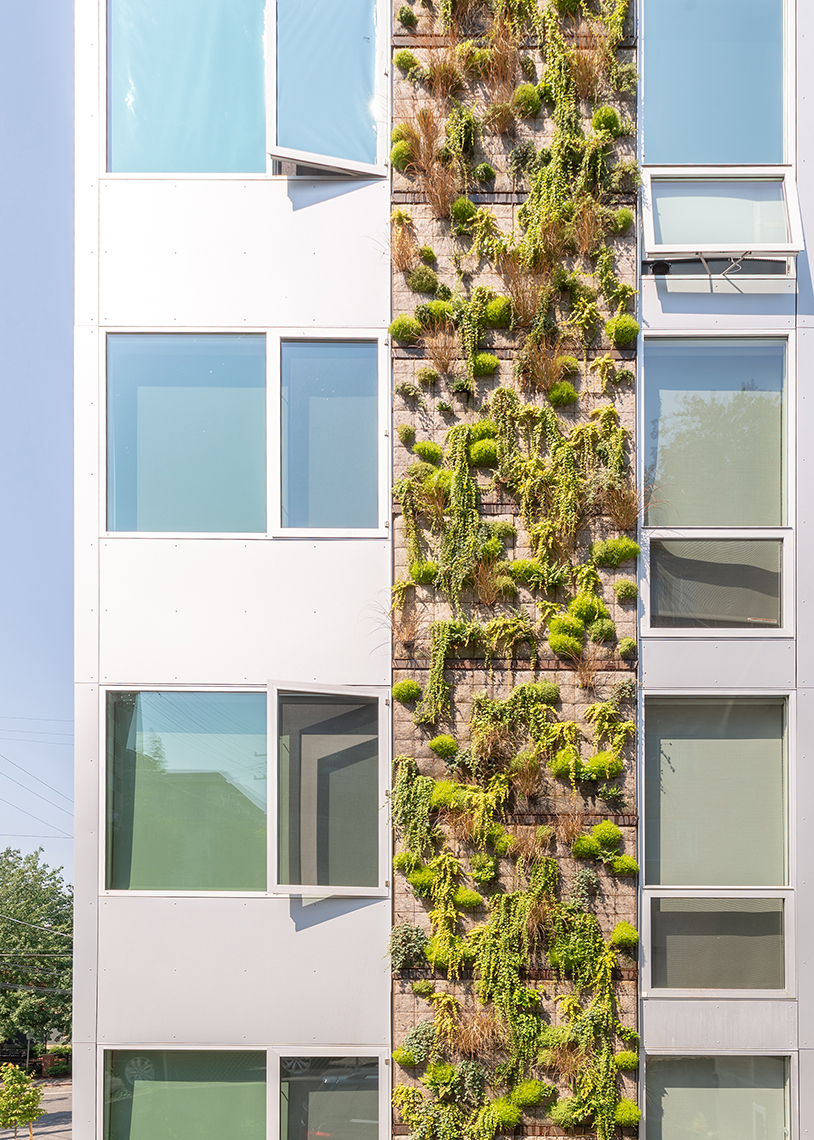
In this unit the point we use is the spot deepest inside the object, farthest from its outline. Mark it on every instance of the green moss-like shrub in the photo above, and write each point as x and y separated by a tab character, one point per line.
563	645
627	1060
404	1057
588	607
542	692
429	451
443	292
567	623
406	862
423	573
530	1092
627	648
440	1077
500	528
622	330
567	7
483	172
427	254
440	479
568	1111
462	211
585	847
407	16
483	867
628	1114
614	551
423	988
625	865
407	946
406	433
606	119
421	880
406	691
504	1114
604	765
399	133
406	329
500	839
607	835
529	572
445	407
448	794
483	429
427	377
422	279
405	60
401	155
438	956
561	394
421	470
623	219
499	313
566	764
625	590
484	364
527	100
567	366
466	899
436	312
444	745
483	453
625	936
601	630
420	1041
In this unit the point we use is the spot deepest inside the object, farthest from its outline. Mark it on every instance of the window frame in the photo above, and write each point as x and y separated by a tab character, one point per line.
273	340
276	689
274	1054
331	167
273	890
654	250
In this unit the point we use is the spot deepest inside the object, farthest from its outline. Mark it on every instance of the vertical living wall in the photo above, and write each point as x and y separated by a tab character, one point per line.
514	607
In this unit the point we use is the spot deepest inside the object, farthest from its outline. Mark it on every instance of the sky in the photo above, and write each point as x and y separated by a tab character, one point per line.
36	318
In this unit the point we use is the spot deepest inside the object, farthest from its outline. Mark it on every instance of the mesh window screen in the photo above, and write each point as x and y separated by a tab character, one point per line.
336	1097
721	1097
715	584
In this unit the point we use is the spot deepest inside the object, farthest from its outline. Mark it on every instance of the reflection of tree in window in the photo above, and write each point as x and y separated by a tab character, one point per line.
331	1097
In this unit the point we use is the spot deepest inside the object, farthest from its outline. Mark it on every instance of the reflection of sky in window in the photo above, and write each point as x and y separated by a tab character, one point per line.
207	732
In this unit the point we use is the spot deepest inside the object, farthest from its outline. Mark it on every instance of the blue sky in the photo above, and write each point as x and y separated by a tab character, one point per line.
36	316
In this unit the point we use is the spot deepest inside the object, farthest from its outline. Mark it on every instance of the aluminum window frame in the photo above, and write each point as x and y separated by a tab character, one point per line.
784	175
332	167
275	887
273	339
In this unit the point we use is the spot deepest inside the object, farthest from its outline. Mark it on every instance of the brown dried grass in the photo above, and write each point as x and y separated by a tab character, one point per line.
441	347
491	582
565	1061
623	506
568	825
588	59
527	287
532	842
493	741
589	225
444	76
525	773
423	127
403	247
405	625
479	1034
588	665
502	72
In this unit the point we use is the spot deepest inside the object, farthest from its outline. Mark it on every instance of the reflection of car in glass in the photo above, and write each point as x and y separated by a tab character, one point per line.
139	1069
332	1098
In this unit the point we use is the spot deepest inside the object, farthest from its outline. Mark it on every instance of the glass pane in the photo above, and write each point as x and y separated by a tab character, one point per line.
201	1094
717	1097
330	434
718	944
724	215
186	86
329	1096
714	432
186	430
186	791
323	46
713	82
723	583
329	791
715	793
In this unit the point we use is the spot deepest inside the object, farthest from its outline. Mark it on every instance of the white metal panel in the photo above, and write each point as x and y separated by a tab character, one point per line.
84	1102
231	612
805	508
244	971
673	663
688	1026
87	483
281	254
663	307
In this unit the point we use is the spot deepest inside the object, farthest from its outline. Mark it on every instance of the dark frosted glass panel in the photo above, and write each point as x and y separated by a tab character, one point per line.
186	433
329	791
330	434
713	82
719	1098
715	583
724	214
329	1096
184	1094
186	86
715	793
326	77
717	944
714	432
186	791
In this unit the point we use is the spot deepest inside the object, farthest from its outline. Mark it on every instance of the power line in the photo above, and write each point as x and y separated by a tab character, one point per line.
27	835
33	926
31	792
39	719
35	989
51	743
44	783
38	818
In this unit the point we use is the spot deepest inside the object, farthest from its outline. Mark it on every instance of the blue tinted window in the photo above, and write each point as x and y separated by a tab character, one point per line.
330	434
713	81
186	432
186	86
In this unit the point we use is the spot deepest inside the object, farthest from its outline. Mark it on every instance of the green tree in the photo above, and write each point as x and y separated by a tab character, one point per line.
36	925
20	1099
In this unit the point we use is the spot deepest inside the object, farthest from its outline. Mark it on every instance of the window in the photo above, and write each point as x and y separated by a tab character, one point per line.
226	86
717	1096
329	434
714	418
186	791
715	792
186	432
329	1096
717	944
328	791
198	1094
714	76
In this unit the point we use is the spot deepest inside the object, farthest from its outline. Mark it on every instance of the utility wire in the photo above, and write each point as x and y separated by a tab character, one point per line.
33	926
33	777
39	795
38	818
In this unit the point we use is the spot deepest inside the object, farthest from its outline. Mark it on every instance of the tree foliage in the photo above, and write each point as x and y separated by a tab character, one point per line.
20	1098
